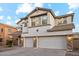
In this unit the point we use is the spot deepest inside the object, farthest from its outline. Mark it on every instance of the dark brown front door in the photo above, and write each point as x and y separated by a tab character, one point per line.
34	42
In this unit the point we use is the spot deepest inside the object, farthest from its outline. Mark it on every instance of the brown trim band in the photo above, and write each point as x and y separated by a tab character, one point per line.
40	25
24	32
43	36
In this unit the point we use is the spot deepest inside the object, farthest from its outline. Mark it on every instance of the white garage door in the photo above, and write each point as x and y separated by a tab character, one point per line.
28	42
52	42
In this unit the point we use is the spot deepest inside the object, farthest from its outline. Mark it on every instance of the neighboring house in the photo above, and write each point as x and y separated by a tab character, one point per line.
76	40
76	35
42	29
5	30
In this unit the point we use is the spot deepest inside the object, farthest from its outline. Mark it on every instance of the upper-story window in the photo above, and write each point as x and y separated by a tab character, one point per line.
65	21
44	20
1	29
21	27
62	21
25	24
33	22
36	21
40	20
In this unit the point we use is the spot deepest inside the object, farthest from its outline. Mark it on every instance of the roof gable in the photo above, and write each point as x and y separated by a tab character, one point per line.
38	11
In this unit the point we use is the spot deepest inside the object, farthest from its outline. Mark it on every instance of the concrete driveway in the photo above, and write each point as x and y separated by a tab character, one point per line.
33	52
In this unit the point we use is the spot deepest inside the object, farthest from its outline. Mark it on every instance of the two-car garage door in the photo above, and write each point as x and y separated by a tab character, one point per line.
56	42
52	42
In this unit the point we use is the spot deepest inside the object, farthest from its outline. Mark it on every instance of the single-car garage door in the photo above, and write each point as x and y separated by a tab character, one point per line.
28	42
57	42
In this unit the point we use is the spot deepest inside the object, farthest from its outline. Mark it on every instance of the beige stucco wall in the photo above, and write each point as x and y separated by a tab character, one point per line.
43	33
51	19
29	22
69	19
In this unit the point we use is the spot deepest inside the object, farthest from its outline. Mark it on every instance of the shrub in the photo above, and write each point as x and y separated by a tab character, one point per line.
9	43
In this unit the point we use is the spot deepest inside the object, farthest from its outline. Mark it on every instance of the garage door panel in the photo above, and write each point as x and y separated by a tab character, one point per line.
52	42
28	42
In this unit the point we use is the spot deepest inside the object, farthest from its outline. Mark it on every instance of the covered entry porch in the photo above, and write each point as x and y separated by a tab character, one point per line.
16	38
72	43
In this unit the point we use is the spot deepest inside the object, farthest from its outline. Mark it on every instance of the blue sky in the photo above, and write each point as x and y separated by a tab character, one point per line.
11	12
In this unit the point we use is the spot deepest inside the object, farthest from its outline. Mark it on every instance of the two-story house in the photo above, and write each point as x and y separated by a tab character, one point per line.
42	29
5	30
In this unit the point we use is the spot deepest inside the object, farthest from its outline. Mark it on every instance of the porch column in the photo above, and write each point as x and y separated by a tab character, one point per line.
24	43
37	36
37	41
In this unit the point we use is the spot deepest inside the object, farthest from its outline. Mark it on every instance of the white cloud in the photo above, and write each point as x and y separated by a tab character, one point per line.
1	9
73	6
27	7
69	12
9	18
8	23
57	13
1	17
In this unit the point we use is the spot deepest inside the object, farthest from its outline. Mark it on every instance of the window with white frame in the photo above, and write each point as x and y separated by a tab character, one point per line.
62	21
40	20
33	22
36	21
44	20
65	21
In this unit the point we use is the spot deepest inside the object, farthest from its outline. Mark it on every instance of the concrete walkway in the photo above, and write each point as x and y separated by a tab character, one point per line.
33	52
7	49
72	53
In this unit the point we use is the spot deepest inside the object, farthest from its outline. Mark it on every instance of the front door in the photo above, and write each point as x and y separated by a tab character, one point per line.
34	42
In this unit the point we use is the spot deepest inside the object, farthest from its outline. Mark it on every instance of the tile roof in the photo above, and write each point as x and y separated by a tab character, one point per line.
18	33
61	28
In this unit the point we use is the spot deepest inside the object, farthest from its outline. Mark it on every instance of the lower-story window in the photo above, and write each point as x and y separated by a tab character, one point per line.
0	39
